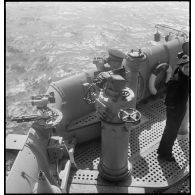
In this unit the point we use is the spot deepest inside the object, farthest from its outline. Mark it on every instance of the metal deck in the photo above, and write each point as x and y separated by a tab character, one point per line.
148	174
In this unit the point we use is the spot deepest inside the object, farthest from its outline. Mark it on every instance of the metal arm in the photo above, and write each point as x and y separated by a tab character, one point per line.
28	118
169	29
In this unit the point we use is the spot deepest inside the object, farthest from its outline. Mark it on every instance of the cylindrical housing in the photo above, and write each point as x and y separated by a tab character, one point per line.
167	53
114	164
109	108
132	65
69	96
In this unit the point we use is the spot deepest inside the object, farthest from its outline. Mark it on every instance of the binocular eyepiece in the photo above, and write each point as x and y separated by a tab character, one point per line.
42	100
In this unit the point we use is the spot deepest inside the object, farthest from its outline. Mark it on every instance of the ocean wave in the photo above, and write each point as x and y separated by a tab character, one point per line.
15	89
68	13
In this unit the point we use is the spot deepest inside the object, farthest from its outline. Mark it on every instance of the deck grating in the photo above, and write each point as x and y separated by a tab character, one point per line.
147	171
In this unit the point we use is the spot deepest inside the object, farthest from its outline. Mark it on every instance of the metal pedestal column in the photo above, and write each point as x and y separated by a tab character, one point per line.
114	164
112	108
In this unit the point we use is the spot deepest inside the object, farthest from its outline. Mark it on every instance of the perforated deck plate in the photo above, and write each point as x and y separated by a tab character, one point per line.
148	172
83	121
92	118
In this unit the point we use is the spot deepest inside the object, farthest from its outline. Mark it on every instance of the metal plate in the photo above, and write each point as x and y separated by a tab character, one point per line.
181	187
79	188
83	121
148	171
15	141
157	107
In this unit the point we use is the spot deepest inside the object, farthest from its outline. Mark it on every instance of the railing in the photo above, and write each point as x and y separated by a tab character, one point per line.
171	30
